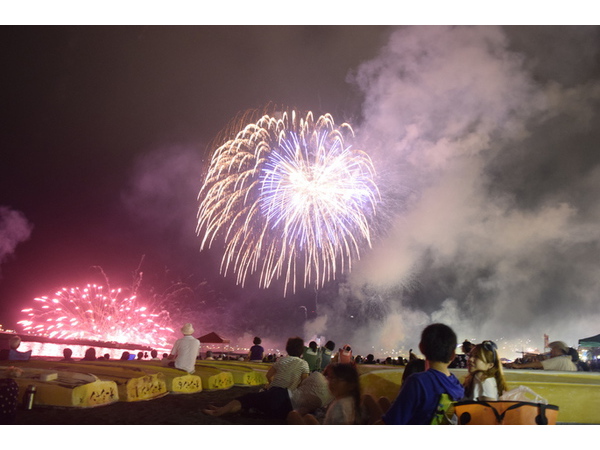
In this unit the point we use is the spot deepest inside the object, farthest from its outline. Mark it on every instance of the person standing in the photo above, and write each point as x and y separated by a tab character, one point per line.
185	350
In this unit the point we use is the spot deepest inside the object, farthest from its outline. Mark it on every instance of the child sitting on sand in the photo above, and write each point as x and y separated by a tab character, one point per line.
343	382
419	396
485	381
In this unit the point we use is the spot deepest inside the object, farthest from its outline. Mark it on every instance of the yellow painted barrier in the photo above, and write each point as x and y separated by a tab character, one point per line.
65	388
213	377
177	381
367	368
381	383
242	374
259	367
577	394
133	384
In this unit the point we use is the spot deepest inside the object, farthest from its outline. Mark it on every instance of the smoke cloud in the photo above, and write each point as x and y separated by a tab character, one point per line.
14	229
162	194
489	172
484	139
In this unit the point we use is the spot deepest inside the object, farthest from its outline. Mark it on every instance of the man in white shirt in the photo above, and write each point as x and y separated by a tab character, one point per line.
186	350
559	360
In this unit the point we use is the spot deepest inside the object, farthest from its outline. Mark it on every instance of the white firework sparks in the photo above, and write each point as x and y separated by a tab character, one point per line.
289	195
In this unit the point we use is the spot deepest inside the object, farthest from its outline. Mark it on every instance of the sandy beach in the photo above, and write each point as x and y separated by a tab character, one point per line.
172	409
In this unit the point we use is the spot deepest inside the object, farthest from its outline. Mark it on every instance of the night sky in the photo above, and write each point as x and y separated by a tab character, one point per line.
485	140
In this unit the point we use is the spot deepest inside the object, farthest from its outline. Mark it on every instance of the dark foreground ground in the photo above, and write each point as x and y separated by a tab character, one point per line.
172	409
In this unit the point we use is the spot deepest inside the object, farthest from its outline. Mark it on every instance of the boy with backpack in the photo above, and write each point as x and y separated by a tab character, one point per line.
420	394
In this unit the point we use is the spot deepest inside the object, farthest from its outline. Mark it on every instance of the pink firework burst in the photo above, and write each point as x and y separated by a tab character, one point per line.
97	313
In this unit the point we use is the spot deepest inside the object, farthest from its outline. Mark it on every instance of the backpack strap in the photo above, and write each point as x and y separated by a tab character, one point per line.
443	411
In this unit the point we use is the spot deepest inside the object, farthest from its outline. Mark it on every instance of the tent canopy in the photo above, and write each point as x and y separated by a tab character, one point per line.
212	338
593	341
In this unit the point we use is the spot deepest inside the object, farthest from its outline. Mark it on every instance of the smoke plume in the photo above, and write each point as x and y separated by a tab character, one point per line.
485	147
14	229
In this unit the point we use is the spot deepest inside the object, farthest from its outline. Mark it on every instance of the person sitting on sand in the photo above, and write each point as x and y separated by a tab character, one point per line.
125	356
154	355
9	395
67	355
326	354
285	374
311	396
420	394
559	360
90	354
311	356
256	351
185	350
345	355
485	381
16	355
345	409
374	409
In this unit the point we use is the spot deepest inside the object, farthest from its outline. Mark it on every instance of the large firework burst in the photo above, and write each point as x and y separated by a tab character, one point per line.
290	198
99	314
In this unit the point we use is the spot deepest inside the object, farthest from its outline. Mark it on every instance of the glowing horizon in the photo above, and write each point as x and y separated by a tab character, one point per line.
97	314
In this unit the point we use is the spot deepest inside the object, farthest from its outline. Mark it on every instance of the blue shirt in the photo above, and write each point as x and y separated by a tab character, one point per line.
256	353
419	395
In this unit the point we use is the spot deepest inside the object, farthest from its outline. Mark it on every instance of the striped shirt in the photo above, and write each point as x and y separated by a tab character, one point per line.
288	372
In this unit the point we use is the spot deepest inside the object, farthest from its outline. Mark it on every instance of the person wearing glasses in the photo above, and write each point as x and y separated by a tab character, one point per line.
559	360
485	381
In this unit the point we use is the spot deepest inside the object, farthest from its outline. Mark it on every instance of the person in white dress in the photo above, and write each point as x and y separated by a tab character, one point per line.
485	381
